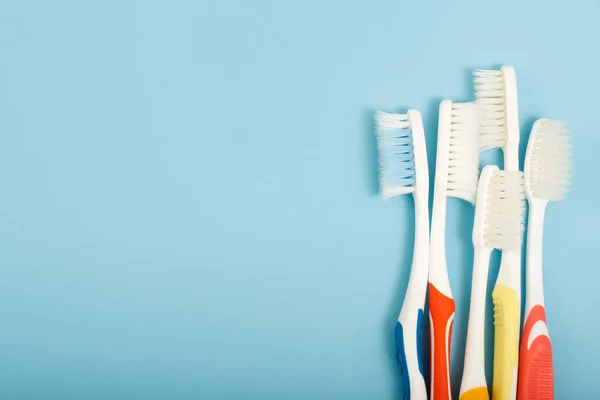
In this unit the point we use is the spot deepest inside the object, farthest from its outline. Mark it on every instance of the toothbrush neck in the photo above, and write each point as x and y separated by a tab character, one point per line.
438	226
511	156
535	285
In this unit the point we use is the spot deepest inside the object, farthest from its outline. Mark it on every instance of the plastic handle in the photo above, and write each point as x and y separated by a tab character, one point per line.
441	303
536	375
536	379
410	321
479	393
411	342
441	314
506	342
474	384
535	228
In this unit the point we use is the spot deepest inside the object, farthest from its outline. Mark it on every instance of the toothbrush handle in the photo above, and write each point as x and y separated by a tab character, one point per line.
506	342
408	338
441	313
536	375
474	384
408	332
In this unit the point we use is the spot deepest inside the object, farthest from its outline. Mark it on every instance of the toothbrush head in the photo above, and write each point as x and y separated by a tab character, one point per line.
458	149
548	162
500	209
496	95
402	153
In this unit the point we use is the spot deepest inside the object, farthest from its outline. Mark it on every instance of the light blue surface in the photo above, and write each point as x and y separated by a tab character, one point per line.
188	203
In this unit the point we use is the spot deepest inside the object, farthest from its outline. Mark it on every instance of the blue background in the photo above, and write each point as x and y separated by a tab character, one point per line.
188	194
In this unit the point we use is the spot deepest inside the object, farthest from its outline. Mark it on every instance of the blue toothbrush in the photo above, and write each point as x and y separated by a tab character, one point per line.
402	170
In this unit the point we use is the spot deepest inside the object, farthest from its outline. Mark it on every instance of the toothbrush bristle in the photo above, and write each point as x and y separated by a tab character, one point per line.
505	210
463	162
550	163
490	96
396	156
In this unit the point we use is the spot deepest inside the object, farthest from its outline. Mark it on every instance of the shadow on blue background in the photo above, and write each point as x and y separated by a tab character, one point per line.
371	152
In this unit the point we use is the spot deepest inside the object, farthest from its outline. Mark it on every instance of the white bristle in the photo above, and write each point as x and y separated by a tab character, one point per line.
505	210
463	162
396	156
550	161
490	96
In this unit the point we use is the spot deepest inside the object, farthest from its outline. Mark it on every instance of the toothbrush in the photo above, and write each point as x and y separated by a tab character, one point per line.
456	174
402	170
547	178
498	225
496	94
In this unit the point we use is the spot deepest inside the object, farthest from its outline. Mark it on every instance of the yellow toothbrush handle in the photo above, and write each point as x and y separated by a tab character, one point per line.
480	393
506	342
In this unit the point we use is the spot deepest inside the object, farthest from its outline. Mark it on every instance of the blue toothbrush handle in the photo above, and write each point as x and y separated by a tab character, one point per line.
409	356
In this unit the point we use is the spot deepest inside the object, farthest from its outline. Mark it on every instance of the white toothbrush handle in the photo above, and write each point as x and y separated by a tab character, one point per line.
409	329
441	306
536	370
474	384
535	230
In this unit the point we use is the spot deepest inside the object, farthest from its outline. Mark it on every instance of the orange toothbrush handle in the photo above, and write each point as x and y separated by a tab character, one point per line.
536	375
441	314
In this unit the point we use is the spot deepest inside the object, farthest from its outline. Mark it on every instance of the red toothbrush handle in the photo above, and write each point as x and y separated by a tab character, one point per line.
441	314
536	375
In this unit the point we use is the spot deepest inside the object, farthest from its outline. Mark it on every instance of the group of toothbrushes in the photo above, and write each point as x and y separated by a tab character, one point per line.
522	359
